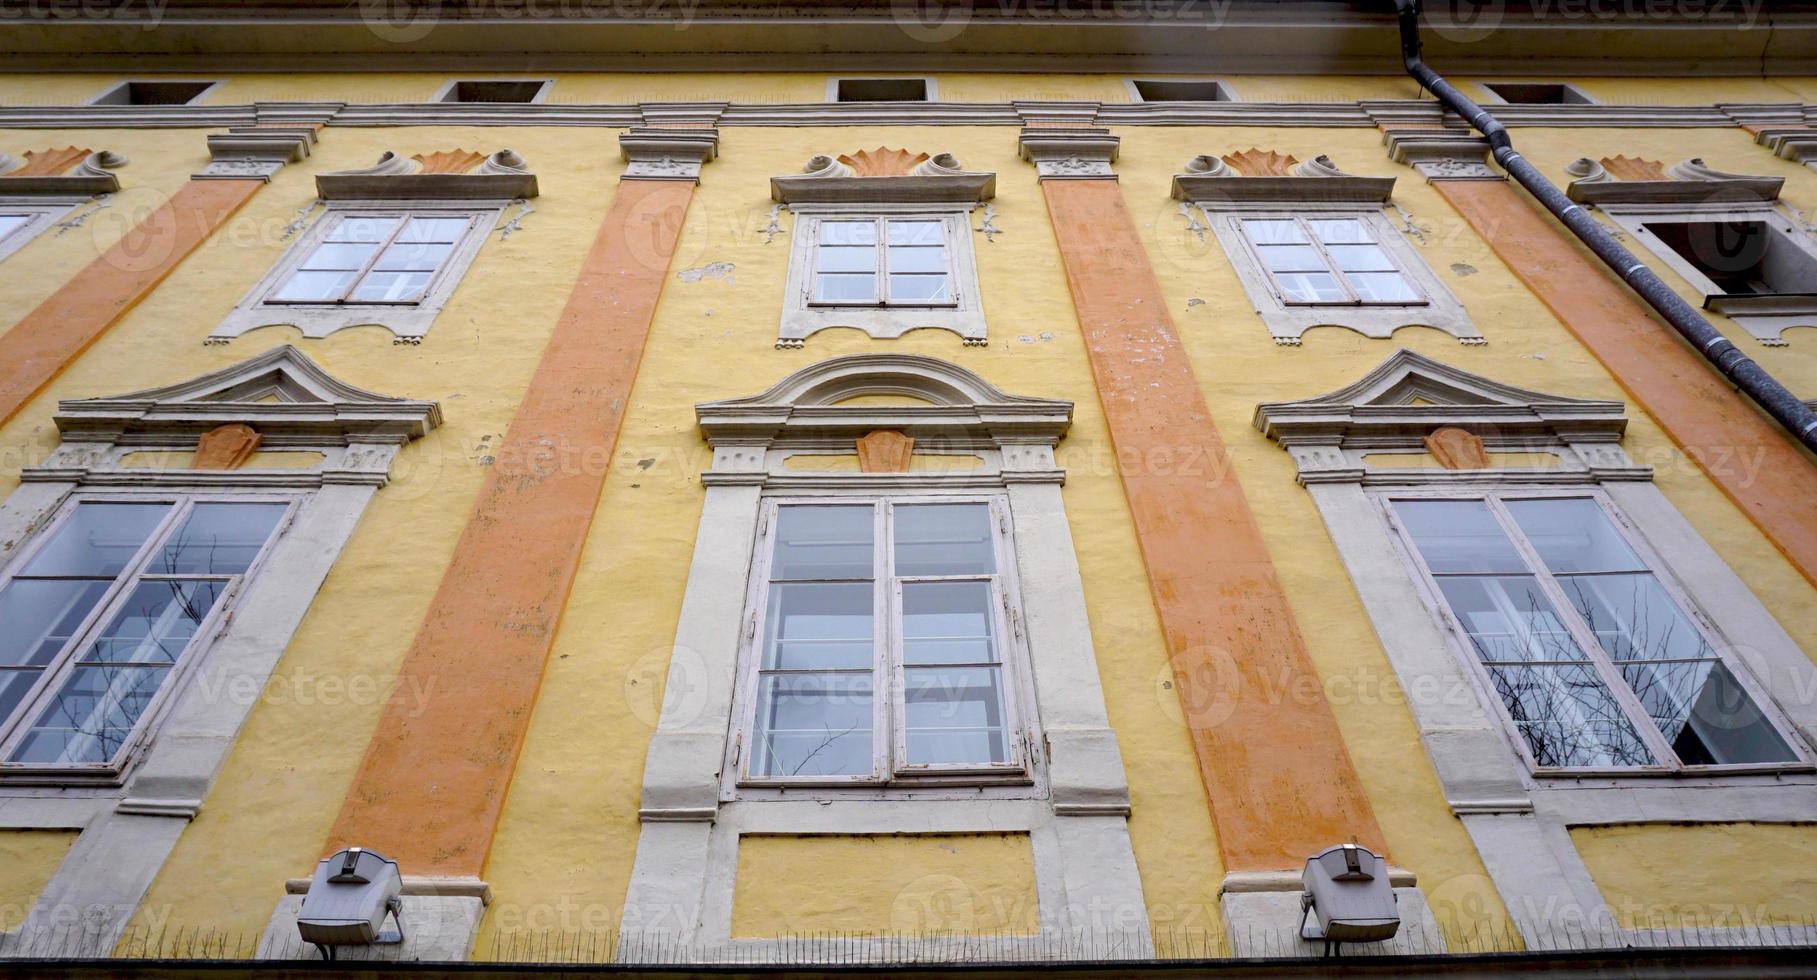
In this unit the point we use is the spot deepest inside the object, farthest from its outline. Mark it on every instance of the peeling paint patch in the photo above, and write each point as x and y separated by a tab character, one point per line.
1463	268
712	270
1194	301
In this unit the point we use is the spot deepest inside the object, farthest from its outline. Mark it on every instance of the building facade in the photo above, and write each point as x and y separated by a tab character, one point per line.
860	483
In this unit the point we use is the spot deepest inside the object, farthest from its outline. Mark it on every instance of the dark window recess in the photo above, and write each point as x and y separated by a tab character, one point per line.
883	90
1538	93
1741	257
154	93
1155	90
502	91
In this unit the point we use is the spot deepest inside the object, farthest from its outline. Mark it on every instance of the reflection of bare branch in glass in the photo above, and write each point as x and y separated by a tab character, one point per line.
829	740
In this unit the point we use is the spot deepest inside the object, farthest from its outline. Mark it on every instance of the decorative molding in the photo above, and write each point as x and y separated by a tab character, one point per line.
667	154
226	447
283	394
1797	145
1410	398
447	175
1442	154
1630	180
1457	449
885	451
1070	153
1256	178
255	152
69	171
883	176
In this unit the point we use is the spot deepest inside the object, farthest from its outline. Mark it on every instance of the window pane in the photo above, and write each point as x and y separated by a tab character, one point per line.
1574	535
10	223
944	539
1633	617
848	258
1291	258
1508	619
304	287
13	687
845	288
954	715
1382	287
411	256
1458	536
1274	231
382	287
918	260
1310	287
814	542
1706	714
362	229
848	233
155	622
817	627
39	616
1338	231
1359	258
813	725
919	289
217	539
433	230
97	540
1567	717
948	623
916	233
333	256
91	717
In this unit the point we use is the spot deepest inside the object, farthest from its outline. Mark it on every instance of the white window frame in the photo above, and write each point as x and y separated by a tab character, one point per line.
889	750
1288	321
40	214
408	320
1665	759
803	315
14	728
1764	315
1304	223
445	94
881	270
929	92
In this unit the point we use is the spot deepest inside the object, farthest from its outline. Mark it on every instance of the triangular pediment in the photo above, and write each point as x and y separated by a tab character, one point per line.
1410	392
279	389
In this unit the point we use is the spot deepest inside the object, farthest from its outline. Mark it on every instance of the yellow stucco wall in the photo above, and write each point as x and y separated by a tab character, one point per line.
958	884
1659	875
567	838
30	857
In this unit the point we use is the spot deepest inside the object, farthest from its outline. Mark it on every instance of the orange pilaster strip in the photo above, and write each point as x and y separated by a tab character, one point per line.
429	791
1754	462
37	348
1281	783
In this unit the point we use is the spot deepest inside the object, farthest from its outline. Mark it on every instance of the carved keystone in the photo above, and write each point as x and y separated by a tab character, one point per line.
1456	449
885	451
226	448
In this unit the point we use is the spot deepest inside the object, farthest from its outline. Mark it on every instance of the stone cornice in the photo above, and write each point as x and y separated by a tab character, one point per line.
502	176
93	175
1368	112
667	154
1797	145
936	180
1070	152
1209	179
1689	182
255	152
1442	154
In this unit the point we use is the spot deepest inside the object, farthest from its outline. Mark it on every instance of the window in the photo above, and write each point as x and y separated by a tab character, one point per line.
493	90
1325	261
880	652
110	604
1179	90
374	258
881	90
21	222
1596	661
1740	257
362	264
883	262
154	93
1537	93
